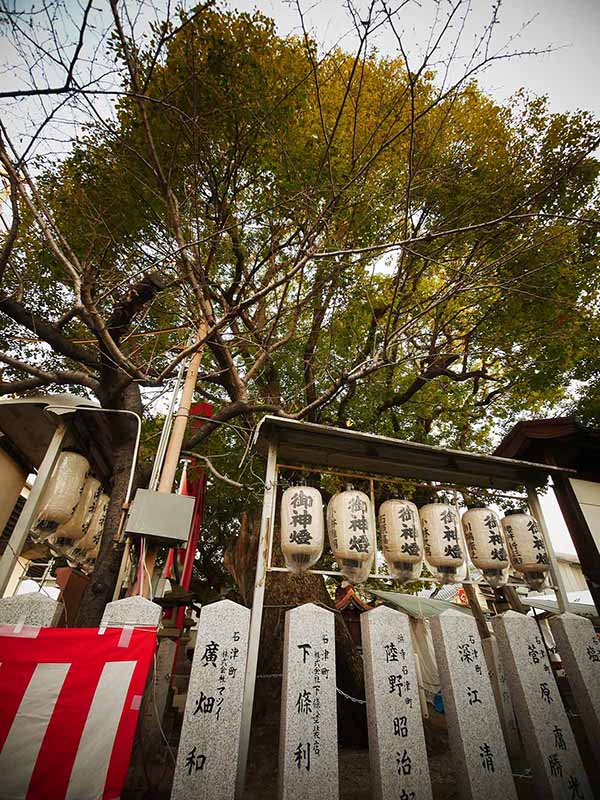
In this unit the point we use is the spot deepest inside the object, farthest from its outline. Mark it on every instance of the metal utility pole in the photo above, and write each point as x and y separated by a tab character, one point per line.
173	451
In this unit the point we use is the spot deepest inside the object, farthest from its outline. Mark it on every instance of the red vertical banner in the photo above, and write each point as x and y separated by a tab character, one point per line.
197	488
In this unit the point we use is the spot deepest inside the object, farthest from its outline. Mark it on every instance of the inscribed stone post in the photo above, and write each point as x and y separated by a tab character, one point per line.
547	737
397	752
308	757
502	696
482	765
131	612
34	609
579	650
208	747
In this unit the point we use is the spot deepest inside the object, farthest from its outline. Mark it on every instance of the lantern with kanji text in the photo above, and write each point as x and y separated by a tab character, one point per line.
486	545
62	493
78	524
441	542
526	547
400	529
302	528
351	530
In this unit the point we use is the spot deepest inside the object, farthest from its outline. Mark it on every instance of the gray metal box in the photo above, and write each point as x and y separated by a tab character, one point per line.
161	516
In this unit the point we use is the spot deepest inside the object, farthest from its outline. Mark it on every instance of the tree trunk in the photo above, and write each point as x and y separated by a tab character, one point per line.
101	586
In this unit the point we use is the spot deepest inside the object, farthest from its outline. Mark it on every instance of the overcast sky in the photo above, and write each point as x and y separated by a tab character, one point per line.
569	75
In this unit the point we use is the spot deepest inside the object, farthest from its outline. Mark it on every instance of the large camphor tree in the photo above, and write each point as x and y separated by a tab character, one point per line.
367	239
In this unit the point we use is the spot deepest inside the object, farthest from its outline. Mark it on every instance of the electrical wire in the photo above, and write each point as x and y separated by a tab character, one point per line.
158	721
140	570
149	578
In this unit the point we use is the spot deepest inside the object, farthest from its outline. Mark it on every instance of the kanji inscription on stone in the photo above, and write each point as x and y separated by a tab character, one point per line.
308	757
482	766
545	729
208	748
399	766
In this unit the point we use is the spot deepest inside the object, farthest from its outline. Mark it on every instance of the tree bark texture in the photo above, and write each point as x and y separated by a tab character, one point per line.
101	586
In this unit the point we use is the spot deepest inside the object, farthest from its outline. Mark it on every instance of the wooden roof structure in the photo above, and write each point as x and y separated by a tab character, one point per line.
561	441
346	597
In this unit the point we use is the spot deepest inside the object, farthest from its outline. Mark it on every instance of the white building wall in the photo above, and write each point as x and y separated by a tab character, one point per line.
572	575
588	494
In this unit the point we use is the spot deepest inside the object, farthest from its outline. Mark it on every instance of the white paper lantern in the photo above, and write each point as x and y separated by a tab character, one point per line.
485	541
526	547
401	538
441	542
77	526
90	544
75	557
62	545
302	527
351	533
97	527
62	493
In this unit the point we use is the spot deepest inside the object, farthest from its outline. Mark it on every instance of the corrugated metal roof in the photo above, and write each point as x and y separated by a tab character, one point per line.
550	605
305	443
417	606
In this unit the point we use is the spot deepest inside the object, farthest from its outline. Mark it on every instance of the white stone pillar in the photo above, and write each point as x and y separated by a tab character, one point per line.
579	650
208	747
397	751
308	755
502	696
482	767
34	609
131	612
547	736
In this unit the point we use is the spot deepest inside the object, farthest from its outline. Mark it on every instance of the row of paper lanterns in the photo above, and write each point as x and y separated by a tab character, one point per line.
410	536
73	510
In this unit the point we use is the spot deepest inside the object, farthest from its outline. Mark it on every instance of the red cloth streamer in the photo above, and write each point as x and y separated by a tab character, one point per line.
185	556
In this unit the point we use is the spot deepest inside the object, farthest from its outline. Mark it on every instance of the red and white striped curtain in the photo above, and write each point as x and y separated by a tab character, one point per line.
69	709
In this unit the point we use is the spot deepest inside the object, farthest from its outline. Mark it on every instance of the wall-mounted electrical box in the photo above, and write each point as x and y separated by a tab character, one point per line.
163	517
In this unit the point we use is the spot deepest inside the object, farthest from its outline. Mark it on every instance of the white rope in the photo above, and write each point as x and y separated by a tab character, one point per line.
339	691
352	699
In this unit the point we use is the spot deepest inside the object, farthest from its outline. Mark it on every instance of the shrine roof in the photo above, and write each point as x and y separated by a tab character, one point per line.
564	441
348	597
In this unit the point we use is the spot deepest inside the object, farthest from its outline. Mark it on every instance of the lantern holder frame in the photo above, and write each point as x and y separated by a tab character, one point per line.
307	447
37	429
378	575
